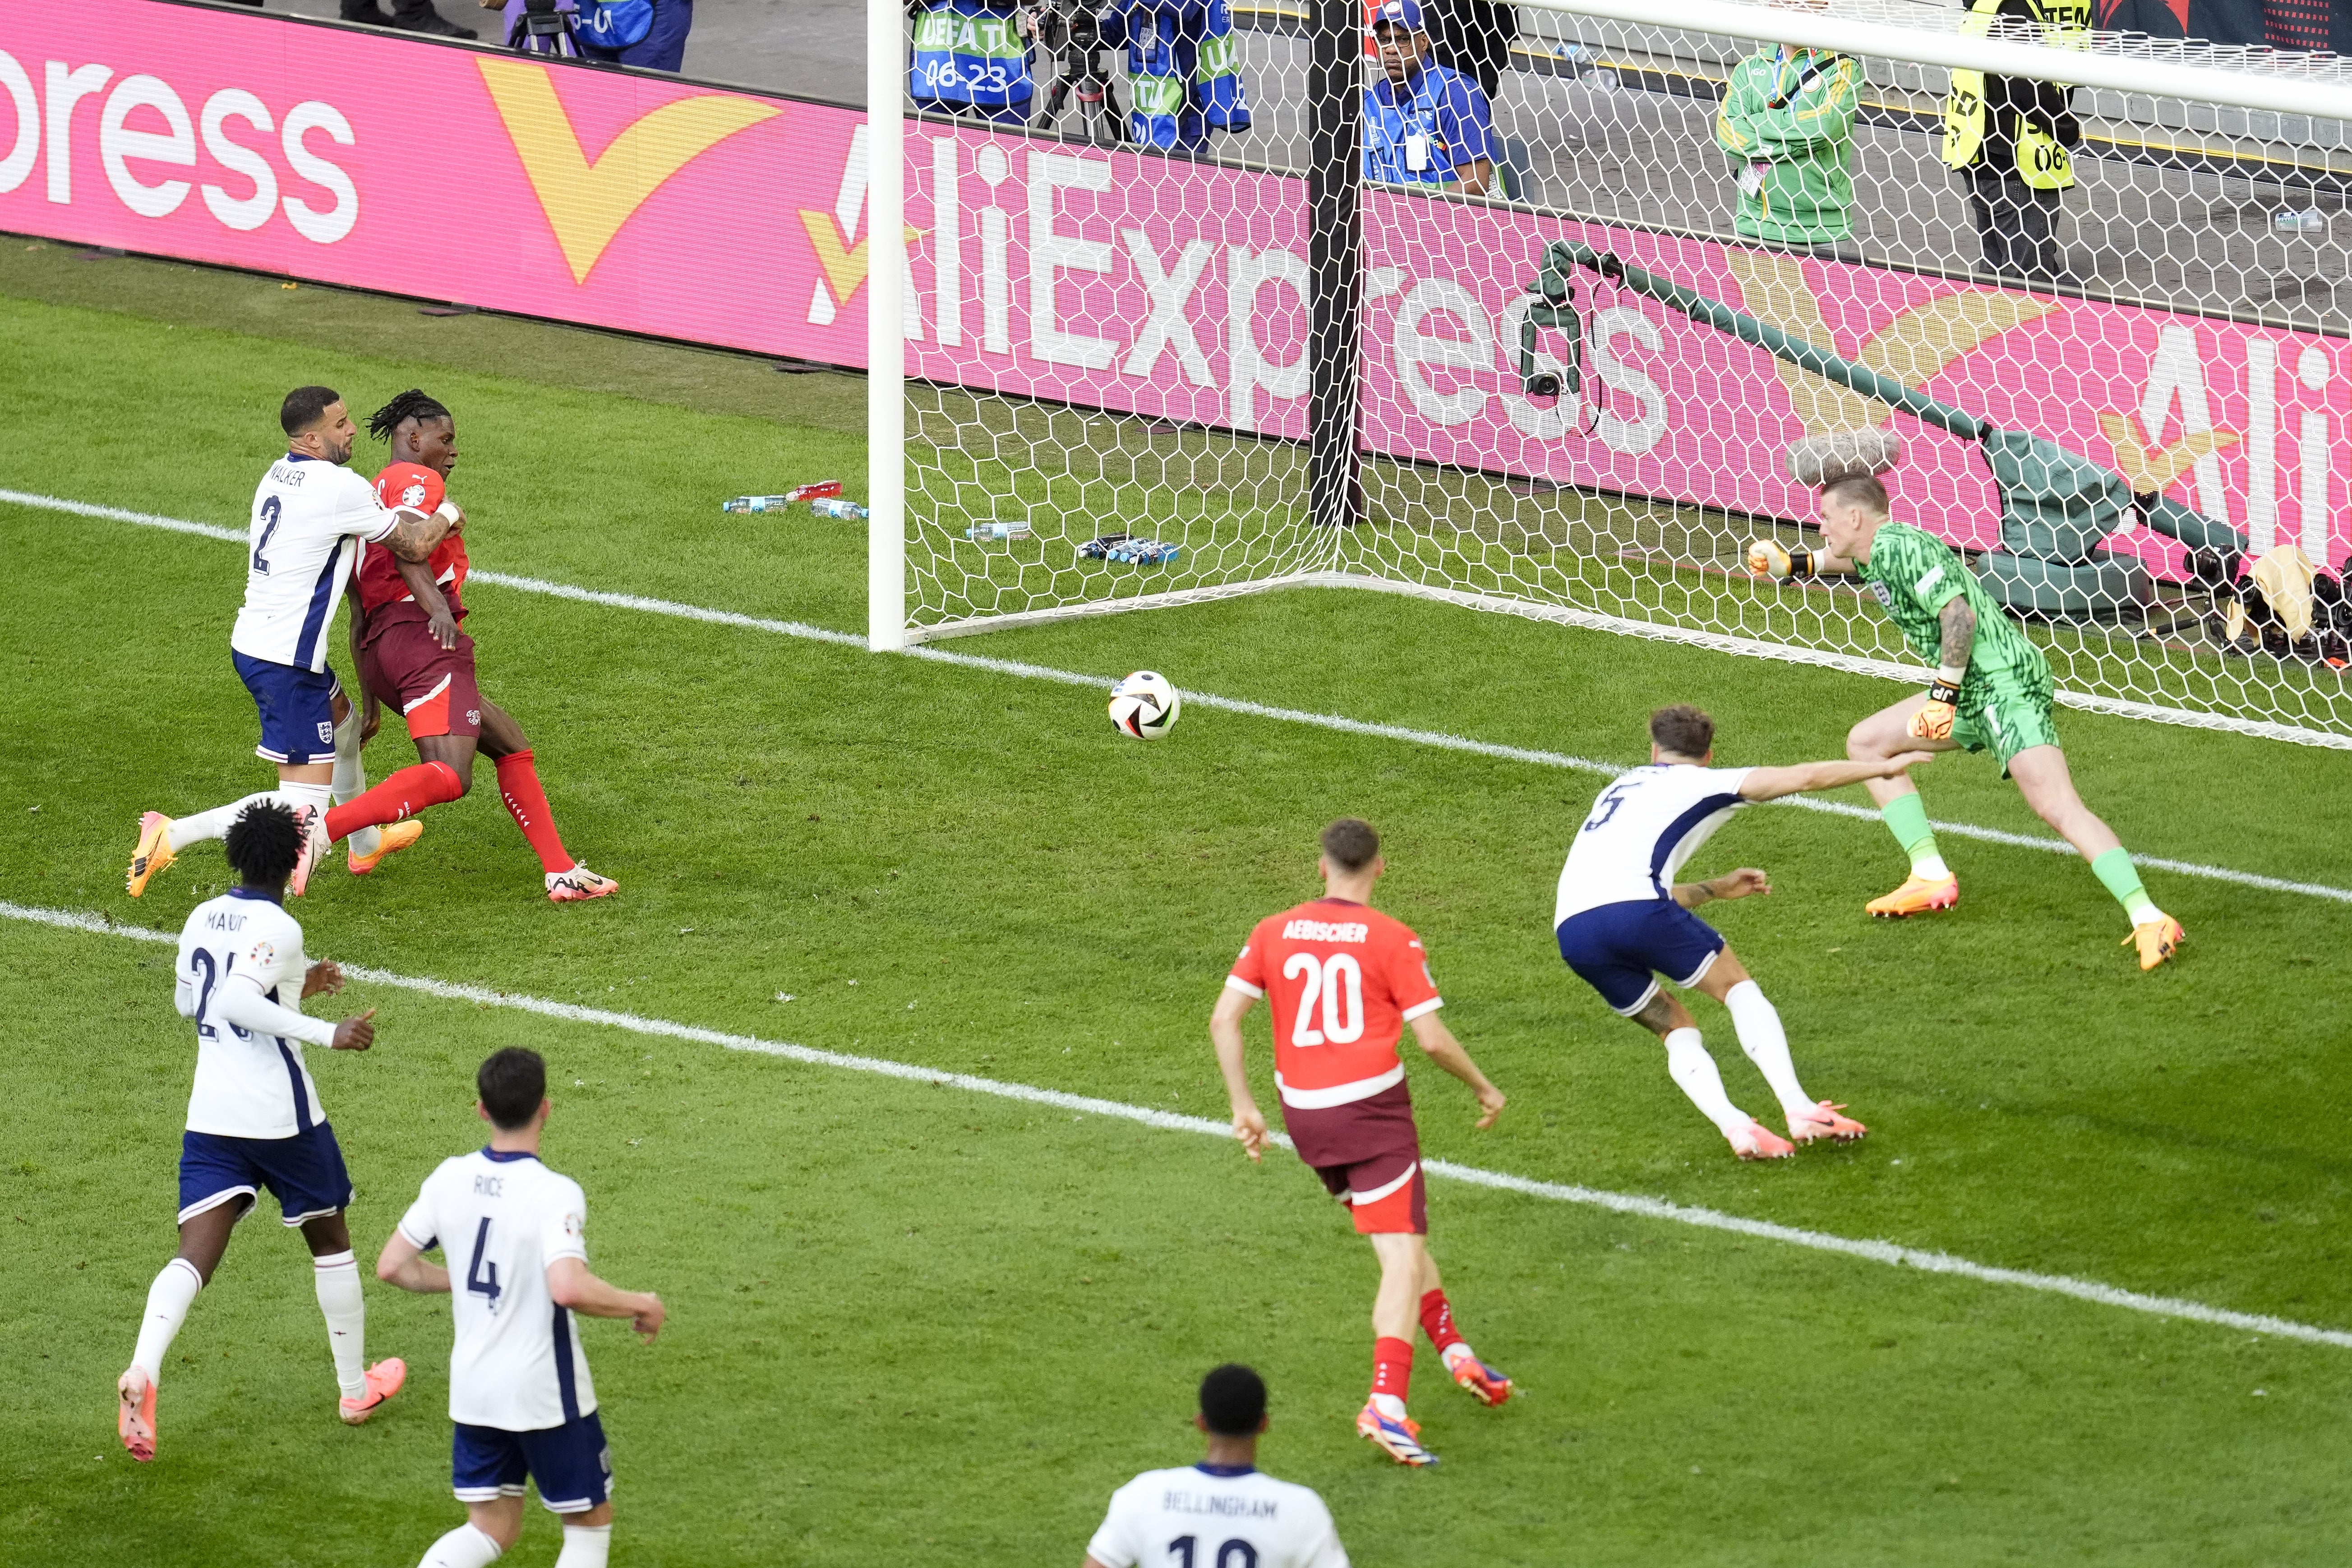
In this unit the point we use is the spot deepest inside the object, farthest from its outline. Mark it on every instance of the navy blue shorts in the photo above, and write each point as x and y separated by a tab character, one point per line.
572	1464
297	709
1618	948
305	1173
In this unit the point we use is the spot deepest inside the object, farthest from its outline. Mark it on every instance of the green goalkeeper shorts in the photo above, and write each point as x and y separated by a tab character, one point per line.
2006	720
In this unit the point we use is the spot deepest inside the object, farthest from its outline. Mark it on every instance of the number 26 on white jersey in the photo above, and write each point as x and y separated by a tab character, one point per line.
1339	982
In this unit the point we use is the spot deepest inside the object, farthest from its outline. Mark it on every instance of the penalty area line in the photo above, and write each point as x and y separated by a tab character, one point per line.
1437	739
1882	1252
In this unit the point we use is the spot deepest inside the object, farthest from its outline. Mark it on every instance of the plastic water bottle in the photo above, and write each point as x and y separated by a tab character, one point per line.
831	507
990	533
823	487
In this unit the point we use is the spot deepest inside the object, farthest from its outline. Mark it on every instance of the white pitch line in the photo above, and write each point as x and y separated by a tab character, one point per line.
1435	739
1886	1252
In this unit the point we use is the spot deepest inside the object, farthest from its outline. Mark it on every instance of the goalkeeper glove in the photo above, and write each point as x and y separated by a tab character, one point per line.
1934	722
1771	558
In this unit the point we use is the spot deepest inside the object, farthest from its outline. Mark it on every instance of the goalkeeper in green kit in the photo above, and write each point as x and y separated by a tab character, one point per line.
1991	691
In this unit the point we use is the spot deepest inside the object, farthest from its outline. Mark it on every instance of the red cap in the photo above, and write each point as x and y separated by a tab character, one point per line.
410	485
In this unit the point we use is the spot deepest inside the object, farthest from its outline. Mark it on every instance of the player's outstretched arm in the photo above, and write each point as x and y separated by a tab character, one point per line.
571	1285
1225	1032
1771	783
370	710
242	1005
403	1263
1447	1052
1736	884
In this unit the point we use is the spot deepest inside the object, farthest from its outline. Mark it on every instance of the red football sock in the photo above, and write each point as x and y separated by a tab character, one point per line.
404	794
1437	1321
519	787
1391	1366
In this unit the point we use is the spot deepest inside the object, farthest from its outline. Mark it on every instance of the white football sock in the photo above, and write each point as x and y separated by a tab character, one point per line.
1694	1070
1757	1023
351	780
585	1546
464	1547
1930	867
212	823
297	795
337	1275
168	1300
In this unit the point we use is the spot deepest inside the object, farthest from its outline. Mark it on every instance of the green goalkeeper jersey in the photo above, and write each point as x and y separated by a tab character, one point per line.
1915	575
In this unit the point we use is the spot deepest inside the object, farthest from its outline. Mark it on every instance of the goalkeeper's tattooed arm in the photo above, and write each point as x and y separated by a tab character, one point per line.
1934	720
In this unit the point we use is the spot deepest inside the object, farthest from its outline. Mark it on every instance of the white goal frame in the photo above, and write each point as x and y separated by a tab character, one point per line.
1892	29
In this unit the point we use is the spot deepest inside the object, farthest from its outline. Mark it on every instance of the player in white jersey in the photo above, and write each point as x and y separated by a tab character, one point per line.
1622	919
517	1271
1222	1513
254	1120
311	516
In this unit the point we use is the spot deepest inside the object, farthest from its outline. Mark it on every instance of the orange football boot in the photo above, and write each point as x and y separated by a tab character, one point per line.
1756	1141
1824	1121
384	1381
154	851
1917	895
134	1417
394	837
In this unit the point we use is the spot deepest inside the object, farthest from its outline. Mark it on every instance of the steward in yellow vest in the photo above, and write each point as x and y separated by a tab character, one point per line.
2013	136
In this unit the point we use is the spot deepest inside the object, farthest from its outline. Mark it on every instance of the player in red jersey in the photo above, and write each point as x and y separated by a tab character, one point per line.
1345	979
412	655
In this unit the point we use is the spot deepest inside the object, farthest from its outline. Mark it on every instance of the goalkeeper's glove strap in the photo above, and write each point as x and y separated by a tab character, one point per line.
1947	692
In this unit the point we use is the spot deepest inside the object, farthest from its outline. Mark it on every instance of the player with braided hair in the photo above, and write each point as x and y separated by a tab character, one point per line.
1992	690
412	654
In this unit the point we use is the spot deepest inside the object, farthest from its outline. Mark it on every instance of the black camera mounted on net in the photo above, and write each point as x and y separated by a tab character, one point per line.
1551	304
1072	35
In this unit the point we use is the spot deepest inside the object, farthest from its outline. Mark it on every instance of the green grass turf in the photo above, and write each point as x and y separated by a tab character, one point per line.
1058	905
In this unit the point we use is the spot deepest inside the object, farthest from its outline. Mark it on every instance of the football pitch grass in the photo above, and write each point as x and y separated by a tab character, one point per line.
911	1321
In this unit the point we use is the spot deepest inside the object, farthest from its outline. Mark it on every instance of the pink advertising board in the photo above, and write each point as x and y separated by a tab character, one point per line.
1101	278
448	173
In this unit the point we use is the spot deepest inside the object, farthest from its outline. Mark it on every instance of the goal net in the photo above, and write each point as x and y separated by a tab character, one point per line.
1266	298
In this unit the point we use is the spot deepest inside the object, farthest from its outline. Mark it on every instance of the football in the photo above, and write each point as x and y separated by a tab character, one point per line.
1145	705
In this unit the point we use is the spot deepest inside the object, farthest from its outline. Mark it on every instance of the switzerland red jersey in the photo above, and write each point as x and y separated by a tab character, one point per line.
381	583
1344	980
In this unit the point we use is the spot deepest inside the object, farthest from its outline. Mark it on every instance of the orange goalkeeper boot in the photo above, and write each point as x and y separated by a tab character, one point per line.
1917	895
2158	940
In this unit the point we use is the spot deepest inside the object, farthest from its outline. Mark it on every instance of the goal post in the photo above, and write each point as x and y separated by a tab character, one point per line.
1220	335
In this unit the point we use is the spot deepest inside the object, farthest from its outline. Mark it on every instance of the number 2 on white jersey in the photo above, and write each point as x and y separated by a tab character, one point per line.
1339	982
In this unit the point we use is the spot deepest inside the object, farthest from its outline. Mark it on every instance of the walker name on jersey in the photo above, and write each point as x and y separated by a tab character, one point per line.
1210	1505
287	472
1327	930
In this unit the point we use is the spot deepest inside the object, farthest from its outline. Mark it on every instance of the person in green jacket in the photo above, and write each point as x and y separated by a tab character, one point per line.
1788	124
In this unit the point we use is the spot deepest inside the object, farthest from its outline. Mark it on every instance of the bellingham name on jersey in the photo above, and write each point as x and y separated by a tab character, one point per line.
1641	831
249	1085
310	517
1206	1515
